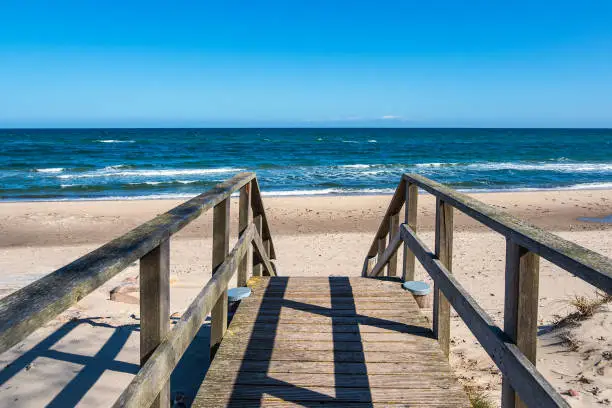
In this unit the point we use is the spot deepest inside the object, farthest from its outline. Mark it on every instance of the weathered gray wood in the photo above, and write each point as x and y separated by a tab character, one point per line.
145	386
29	308
444	252
393	232
582	262
155	308
259	209
533	389
280	353
410	218
245	217
257	261
368	265
394	207
263	256
520	308
382	245
387	254
218	316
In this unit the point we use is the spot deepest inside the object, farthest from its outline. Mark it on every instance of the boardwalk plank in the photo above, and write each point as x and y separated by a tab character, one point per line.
335	342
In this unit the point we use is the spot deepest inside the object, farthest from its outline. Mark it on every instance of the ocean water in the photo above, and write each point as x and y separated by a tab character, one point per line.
56	164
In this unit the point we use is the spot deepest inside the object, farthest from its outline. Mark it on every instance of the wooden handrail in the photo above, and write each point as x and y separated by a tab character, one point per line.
577	260
155	373
533	388
514	348
29	308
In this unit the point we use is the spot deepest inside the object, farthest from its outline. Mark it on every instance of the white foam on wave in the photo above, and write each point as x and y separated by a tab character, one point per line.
558	167
150	173
115	141
372	141
435	164
356	166
50	170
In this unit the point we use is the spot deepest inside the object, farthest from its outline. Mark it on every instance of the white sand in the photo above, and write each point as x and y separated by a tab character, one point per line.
314	236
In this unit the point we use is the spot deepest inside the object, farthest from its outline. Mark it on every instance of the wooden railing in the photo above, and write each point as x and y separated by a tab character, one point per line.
160	348
513	349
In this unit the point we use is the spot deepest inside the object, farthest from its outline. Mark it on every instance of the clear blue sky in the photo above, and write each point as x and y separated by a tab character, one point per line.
305	63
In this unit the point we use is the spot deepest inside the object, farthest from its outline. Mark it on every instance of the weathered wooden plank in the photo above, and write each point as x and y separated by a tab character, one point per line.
259	210
257	262
409	344
410	218
328	336
533	389
442	380
393	233
262	253
582	262
312	319
337	394
218	315
155	308
210	402
155	373
226	351
361	307
520	308
444	252
245	218
388	254
429	367
394	207
29	308
417	327
382	246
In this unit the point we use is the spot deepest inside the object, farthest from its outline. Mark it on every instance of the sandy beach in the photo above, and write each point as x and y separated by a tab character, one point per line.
314	236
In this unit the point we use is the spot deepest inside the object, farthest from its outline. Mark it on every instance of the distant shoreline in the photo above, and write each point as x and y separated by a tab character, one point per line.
308	193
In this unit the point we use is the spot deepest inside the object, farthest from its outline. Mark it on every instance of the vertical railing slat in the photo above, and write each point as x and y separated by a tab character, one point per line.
257	266
244	219
393	231
382	245
444	252
155	307
520	308
410	218
218	315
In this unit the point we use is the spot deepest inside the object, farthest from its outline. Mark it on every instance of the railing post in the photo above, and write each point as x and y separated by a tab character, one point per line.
444	252
393	231
244	219
520	308
155	307
257	265
218	315
382	245
410	218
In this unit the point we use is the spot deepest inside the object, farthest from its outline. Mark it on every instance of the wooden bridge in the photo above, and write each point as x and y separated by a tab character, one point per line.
303	341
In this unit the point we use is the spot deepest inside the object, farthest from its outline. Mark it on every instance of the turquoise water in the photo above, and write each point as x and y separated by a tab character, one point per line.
152	163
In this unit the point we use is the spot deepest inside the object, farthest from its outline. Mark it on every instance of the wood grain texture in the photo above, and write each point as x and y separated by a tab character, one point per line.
218	315
155	308
520	308
286	350
393	234
577	260
533	388
245	218
410	218
444	252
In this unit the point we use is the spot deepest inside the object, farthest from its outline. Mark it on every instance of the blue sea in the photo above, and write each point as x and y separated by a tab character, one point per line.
72	164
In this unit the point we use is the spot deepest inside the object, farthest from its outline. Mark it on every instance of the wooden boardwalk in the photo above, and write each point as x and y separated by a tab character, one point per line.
337	341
